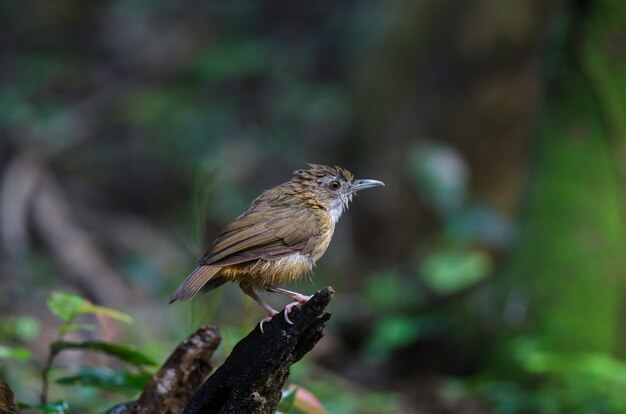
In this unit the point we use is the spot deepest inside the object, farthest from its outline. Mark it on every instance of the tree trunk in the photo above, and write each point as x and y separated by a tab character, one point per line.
251	379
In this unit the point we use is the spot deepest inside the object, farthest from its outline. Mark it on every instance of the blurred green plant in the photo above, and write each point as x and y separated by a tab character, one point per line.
450	271
108	379
565	353
56	407
17	353
338	394
297	400
386	291
453	262
441	175
19	328
287	400
546	382
68	307
390	332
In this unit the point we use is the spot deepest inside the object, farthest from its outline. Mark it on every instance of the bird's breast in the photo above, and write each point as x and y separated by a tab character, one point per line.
273	272
322	243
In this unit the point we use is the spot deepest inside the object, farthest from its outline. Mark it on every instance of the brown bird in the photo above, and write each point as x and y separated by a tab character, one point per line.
278	238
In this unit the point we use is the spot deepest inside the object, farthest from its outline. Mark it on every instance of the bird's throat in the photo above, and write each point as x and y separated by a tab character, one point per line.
337	207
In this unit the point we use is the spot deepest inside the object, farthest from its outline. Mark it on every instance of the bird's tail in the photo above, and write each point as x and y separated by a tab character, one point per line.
196	281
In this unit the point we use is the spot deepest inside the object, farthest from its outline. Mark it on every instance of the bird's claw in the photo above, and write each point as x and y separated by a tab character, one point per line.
267	319
300	299
288	309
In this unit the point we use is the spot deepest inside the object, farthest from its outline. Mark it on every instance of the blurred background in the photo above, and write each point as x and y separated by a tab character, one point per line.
488	276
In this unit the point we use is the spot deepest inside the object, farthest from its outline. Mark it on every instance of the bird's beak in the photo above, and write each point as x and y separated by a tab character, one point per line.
363	184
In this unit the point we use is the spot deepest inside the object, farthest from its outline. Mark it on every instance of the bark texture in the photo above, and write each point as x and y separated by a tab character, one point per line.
252	377
179	377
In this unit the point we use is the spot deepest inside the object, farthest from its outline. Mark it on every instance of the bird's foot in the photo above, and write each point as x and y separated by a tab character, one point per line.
268	318
288	309
298	297
301	298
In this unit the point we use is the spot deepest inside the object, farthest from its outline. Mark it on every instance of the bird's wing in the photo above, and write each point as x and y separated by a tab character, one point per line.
268	235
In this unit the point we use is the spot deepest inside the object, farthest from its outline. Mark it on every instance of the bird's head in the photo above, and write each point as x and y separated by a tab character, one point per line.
331	187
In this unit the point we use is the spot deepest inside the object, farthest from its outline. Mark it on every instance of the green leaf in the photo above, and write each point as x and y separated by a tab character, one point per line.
232	60
387	290
112	313
67	327
396	330
448	272
107	379
121	352
391	332
19	354
287	400
66	305
57	407
21	328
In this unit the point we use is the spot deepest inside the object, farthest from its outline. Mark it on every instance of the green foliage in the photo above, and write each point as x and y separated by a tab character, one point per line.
19	354
68	327
549	382
297	400
57	407
107	379
578	382
390	332
287	400
338	394
342	399
448	272
19	328
232	60
386	291
121	352
241	88
569	258
68	306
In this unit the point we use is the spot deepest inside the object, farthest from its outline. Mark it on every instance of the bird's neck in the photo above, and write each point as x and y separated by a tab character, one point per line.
296	195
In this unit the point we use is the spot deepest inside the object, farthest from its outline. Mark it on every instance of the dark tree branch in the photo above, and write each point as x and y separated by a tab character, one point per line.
252	377
180	376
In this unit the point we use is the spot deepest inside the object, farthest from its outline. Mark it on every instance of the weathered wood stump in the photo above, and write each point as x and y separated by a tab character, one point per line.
251	379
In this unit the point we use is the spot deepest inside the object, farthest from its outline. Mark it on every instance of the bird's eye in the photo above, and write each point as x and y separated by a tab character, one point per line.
334	185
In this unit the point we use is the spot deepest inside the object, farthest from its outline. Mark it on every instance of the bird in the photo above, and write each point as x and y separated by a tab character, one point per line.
279	237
